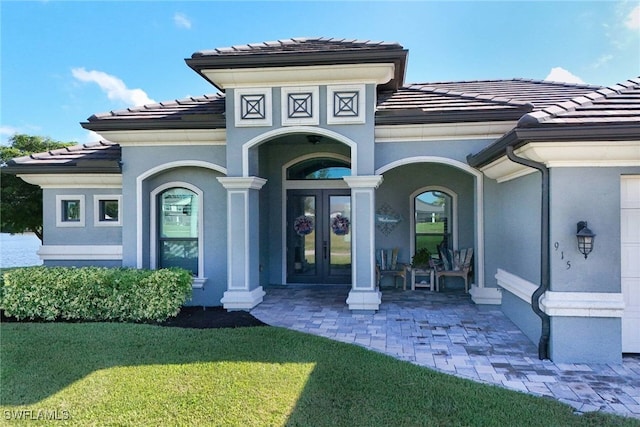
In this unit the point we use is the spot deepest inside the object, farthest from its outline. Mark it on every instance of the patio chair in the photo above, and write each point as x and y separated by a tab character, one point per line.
387	265
454	264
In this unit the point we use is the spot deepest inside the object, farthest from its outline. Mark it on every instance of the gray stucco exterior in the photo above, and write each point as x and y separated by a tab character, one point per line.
233	151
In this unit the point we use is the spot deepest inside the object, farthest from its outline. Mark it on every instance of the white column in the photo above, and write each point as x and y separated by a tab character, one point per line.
243	284
364	294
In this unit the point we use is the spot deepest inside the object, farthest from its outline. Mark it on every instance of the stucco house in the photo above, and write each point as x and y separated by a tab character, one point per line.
316	154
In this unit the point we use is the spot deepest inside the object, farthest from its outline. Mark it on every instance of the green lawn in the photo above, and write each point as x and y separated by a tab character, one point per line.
125	374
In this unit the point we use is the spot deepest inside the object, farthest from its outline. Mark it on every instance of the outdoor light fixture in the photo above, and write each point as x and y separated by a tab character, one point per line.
314	139
585	239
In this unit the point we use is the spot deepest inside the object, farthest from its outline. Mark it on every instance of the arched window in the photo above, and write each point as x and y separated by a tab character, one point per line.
178	232
319	168
434	220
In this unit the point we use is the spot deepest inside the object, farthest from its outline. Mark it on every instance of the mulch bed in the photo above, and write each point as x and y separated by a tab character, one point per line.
195	317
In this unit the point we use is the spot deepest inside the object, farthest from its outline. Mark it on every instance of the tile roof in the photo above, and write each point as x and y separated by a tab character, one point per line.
98	157
303	51
416	103
203	112
472	100
298	45
619	104
611	114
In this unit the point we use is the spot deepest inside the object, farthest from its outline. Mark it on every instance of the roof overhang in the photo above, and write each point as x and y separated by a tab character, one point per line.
572	135
165	137
63	179
569	153
231	78
206	64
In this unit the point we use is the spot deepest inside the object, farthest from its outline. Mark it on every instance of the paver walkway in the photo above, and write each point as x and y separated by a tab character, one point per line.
446	331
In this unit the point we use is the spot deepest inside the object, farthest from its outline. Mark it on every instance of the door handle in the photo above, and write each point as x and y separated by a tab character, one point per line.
324	249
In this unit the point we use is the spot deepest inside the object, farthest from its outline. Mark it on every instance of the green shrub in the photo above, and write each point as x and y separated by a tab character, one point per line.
94	293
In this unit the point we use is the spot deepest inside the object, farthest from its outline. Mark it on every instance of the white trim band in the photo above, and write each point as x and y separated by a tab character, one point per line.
181	137
582	304
516	285
564	304
442	132
74	180
80	252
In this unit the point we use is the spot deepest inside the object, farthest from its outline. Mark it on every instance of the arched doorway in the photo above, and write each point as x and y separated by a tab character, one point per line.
318	215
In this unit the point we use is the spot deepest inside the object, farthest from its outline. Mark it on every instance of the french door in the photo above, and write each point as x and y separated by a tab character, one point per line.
319	236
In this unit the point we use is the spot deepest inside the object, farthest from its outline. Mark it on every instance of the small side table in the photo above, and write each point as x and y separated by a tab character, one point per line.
422	272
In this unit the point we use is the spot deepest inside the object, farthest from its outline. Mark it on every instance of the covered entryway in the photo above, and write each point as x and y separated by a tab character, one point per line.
630	268
318	236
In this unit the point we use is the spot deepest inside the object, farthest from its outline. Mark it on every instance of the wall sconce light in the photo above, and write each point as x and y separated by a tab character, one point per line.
585	239
313	139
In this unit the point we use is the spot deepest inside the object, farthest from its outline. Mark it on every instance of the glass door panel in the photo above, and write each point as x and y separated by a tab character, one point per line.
302	236
319	236
340	235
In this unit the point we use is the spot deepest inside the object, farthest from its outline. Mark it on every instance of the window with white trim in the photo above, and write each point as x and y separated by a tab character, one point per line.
178	229
106	210
433	220
70	210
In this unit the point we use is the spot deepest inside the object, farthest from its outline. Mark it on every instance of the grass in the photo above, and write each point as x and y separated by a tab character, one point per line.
126	374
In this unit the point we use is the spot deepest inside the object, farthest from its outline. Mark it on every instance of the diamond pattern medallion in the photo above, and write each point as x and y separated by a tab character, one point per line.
345	104
252	107
300	106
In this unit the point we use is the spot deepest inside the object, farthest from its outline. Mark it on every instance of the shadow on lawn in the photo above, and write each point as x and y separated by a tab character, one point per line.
347	385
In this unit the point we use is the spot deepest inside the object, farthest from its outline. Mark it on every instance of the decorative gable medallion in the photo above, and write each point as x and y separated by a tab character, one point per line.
253	107
346	104
300	105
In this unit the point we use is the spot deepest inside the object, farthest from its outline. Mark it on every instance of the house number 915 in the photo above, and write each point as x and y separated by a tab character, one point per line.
556	245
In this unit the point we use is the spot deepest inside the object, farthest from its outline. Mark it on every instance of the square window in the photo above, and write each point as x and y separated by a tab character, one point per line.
70	211
107	210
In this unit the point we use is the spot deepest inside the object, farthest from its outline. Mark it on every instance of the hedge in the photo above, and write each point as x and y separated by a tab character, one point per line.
93	293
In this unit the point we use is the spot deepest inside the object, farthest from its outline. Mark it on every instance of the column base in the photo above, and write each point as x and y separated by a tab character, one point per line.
242	299
480	295
364	300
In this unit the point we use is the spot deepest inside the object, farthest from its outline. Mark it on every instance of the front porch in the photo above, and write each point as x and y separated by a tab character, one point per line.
446	331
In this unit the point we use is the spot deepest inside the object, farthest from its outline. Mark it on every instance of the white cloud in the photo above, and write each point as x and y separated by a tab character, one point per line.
8	130
559	74
633	19
115	88
603	60
92	136
182	21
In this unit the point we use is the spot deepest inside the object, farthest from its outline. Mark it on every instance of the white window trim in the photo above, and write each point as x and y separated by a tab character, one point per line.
96	210
64	197
153	231
454	214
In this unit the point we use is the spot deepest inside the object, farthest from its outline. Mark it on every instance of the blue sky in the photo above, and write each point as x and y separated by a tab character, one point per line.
62	61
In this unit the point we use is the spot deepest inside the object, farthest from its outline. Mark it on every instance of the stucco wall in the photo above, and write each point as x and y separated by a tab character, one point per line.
87	235
592	195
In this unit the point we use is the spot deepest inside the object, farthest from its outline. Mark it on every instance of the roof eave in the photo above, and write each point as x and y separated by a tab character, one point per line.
293	59
50	169
521	136
113	124
403	117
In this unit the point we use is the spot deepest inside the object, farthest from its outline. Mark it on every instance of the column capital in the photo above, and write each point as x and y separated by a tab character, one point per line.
242	182
363	181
